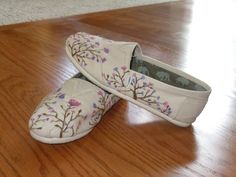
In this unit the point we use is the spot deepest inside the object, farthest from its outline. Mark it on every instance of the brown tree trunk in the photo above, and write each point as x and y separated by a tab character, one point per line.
134	95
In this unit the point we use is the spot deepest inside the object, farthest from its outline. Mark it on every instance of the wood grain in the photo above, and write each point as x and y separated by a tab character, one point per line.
195	36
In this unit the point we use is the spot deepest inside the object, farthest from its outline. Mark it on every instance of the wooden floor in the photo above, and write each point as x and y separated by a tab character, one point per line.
198	37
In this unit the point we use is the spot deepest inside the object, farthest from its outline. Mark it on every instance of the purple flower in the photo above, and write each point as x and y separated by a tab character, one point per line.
123	68
62	96
50	109
103	60
106	50
94	105
115	69
142	77
74	102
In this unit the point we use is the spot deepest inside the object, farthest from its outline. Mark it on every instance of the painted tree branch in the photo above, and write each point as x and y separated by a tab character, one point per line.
84	47
139	88
99	110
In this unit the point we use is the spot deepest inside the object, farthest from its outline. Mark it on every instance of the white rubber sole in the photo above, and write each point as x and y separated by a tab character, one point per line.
115	92
58	140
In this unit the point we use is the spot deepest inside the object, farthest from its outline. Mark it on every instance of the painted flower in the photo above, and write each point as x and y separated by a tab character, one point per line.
100	93
115	69
150	85
123	68
62	96
50	109
106	50
103	60
94	105
166	103
73	102
129	79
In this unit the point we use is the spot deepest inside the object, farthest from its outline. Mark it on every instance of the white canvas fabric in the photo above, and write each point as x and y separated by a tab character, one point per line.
115	67
70	113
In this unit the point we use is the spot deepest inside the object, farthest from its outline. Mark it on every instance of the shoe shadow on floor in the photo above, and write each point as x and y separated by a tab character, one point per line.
170	147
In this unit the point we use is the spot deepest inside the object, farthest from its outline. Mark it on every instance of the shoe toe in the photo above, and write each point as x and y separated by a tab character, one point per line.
70	112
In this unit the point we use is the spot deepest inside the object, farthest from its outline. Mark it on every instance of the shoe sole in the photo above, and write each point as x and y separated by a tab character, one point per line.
58	140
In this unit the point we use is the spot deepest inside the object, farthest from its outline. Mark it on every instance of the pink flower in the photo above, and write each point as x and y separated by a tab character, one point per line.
165	103
150	84
74	102
50	109
100	93
123	68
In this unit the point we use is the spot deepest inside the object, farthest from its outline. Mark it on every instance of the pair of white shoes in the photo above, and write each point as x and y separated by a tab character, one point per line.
111	70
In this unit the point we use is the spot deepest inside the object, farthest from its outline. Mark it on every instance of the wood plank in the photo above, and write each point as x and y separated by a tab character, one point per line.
129	141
